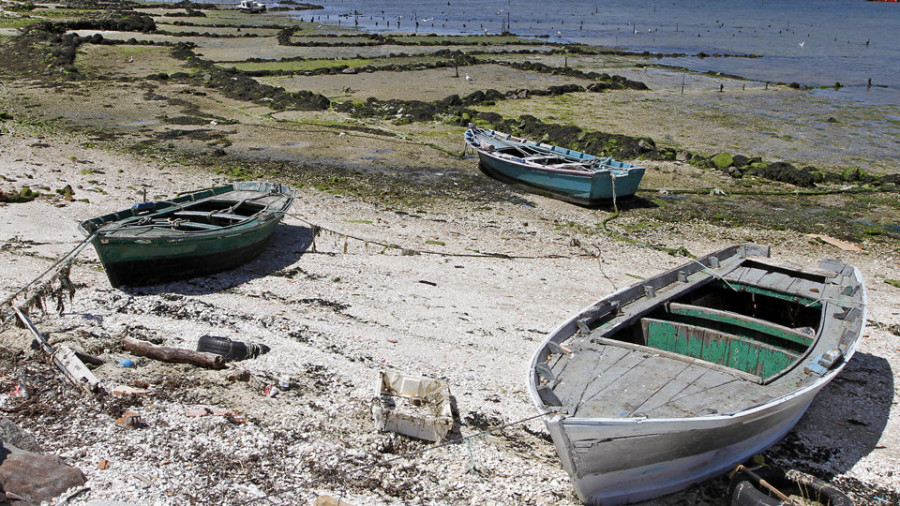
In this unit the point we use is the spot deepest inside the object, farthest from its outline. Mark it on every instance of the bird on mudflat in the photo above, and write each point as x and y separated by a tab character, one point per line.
469	78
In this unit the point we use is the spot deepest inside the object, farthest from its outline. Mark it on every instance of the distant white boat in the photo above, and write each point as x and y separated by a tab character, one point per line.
680	377
251	6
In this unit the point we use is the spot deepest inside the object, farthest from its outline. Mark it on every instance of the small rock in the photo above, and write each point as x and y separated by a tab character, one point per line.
127	390
36	478
12	434
239	376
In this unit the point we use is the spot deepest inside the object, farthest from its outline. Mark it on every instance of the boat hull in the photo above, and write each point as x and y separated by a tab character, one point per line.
160	261
588	190
671	455
631	421
557	172
193	235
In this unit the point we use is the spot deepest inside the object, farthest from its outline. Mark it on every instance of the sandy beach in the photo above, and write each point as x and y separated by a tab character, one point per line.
398	254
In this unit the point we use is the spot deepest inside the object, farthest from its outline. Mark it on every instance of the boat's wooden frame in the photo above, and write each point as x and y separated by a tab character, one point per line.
634	419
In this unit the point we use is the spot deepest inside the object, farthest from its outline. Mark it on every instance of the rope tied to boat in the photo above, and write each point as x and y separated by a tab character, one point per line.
706	269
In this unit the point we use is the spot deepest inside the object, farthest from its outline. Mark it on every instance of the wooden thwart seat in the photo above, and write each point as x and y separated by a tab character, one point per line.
741	321
210	215
716	347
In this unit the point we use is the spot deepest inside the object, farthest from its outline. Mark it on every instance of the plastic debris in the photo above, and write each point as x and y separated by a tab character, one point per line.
127	390
130	420
413	406
196	413
844	245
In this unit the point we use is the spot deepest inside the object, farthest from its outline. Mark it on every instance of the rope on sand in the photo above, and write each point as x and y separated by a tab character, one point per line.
412	251
682	251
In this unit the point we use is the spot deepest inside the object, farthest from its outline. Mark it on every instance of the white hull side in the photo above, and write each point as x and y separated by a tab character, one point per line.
621	462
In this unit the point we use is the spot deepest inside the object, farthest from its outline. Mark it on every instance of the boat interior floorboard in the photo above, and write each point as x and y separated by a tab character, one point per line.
637	383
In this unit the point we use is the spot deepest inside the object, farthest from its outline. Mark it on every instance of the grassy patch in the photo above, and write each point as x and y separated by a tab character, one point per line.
294	66
18	22
65	13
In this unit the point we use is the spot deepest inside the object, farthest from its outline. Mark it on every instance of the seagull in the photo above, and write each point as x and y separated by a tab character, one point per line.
131	60
801	44
469	78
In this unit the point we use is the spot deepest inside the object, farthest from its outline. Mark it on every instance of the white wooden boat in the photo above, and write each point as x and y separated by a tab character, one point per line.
678	378
251	6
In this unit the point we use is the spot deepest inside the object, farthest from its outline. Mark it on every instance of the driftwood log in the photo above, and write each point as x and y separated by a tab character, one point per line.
174	355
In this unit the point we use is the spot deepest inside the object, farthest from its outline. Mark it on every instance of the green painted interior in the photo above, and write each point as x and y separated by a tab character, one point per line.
742	326
752	357
733	326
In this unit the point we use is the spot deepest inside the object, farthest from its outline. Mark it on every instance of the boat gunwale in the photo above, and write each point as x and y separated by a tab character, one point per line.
175	235
587	173
95	226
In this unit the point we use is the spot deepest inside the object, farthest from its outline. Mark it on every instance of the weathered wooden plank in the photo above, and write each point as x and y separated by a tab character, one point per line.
776	281
752	275
806	288
575	368
608	372
695	400
676	386
63	357
629	389
790	266
633	385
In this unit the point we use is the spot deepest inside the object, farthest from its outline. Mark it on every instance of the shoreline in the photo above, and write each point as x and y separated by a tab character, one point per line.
336	313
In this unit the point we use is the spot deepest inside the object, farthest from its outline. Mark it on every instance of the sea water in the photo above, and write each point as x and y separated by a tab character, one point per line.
817	44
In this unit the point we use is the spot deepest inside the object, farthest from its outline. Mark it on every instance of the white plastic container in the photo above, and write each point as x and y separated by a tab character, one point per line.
413	406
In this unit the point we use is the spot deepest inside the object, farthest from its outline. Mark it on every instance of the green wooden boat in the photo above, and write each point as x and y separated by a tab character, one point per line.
197	233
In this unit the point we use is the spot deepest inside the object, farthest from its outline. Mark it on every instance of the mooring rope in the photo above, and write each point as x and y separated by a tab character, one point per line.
708	270
316	228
